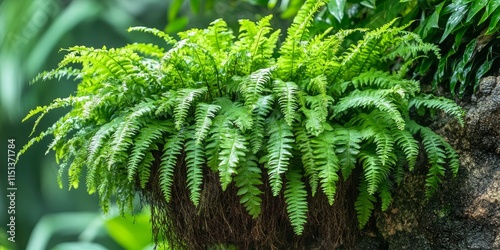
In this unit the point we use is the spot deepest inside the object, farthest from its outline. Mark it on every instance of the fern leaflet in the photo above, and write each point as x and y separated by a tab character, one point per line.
296	200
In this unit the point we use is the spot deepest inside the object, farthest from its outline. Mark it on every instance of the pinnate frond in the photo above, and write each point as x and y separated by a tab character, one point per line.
233	147
430	101
304	144
347	148
171	151
364	204
287	99
279	152
327	163
195	158
247	180
296	200
203	116
184	100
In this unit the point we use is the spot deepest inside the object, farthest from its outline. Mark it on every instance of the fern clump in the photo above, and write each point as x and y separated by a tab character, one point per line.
293	124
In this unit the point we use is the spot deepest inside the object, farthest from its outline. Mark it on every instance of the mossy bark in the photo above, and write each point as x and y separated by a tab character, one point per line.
465	212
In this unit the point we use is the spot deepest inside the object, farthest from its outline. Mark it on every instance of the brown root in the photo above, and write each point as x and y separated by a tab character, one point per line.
220	219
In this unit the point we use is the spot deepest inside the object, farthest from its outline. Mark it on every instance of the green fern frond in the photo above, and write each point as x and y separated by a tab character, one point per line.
438	150
430	101
290	51
287	99
75	169
408	144
452	156
149	135
252	88
203	116
195	158
262	108
184	100
374	172
371	98
377	126
151	50
171	151
233	147
156	32
57	103
144	167
58	74
317	112
436	156
254	38
296	200
377	79
385	194
347	148
247	181
279	152
303	142
327	163
126	130
101	137
95	170
364	204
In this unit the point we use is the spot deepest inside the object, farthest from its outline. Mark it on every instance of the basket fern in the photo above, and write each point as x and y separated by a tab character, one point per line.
305	114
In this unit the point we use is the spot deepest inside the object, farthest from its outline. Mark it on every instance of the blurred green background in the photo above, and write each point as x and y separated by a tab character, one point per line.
31	34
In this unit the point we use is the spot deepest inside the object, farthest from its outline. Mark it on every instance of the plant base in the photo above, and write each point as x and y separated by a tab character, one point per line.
220	219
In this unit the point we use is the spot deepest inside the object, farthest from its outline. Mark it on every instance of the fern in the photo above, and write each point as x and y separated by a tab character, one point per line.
149	135
195	158
233	148
287	99
279	153
364	204
296	200
184	100
432	102
203	116
171	151
129	127
306	149
247	180
236	107
257	132
327	163
347	148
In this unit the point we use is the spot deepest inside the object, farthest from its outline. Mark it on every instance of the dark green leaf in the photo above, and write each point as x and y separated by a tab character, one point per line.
485	67
369	3
432	21
490	9
458	10
336	8
477	6
493	27
458	39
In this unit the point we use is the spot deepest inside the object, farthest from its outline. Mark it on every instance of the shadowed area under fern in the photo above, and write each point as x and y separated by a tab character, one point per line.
220	219
250	142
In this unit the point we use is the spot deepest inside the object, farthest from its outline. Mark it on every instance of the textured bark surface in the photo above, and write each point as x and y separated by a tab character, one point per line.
465	212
